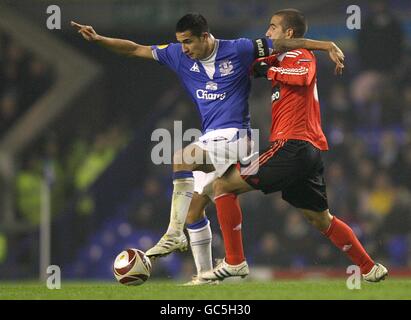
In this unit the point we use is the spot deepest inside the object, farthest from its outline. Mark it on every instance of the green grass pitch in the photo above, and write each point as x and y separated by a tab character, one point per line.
243	290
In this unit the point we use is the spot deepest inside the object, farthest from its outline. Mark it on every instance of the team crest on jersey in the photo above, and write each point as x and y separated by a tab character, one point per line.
195	67
210	85
226	68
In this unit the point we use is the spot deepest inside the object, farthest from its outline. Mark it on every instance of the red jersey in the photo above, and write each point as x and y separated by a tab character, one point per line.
295	106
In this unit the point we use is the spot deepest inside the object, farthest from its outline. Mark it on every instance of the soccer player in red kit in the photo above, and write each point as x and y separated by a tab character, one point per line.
292	163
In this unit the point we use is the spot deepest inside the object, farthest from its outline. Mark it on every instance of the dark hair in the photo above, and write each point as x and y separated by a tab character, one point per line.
193	22
293	19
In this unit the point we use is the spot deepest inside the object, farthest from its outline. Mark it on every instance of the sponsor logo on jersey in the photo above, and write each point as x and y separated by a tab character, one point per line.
205	95
195	67
162	46
210	85
226	68
276	94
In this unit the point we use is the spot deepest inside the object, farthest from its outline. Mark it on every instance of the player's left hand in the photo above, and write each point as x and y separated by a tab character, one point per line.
337	56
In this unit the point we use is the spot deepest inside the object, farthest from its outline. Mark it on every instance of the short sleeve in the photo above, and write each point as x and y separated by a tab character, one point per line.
169	55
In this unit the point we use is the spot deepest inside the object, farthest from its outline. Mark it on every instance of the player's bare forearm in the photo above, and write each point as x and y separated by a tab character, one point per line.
124	47
283	45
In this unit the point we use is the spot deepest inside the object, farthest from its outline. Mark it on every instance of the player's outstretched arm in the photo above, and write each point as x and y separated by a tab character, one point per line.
335	53
124	47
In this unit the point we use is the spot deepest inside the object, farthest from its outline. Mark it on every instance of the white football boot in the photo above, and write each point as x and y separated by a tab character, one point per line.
167	245
377	273
224	270
200	281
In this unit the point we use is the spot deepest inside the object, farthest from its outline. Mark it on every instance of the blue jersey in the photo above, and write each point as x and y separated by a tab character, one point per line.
220	85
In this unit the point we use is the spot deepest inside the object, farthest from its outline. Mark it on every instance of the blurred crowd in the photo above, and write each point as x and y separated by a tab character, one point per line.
70	167
24	77
69	163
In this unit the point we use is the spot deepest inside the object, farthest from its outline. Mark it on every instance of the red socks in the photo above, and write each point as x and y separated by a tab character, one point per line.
344	238
230	218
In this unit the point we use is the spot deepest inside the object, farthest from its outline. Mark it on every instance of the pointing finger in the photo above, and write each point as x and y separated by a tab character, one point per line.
75	24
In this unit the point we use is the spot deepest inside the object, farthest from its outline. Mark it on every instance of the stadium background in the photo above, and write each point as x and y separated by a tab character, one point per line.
77	120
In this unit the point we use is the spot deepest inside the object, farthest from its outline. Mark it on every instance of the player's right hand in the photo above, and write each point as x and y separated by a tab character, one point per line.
87	32
337	56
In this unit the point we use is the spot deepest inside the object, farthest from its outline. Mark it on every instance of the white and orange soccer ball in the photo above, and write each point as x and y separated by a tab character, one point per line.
132	267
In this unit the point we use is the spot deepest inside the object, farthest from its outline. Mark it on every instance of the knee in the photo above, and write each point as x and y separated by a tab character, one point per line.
179	163
194	216
311	219
321	220
178	157
220	187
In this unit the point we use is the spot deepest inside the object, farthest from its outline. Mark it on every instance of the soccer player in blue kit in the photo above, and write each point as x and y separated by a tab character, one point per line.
215	73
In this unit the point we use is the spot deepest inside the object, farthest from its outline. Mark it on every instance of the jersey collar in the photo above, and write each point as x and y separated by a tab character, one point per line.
213	54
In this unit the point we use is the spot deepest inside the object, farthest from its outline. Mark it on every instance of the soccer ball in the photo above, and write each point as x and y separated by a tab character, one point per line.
132	267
